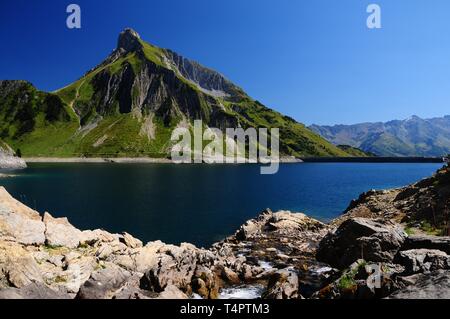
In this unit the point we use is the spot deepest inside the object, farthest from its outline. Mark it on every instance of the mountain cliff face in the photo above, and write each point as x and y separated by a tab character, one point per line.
130	104
411	137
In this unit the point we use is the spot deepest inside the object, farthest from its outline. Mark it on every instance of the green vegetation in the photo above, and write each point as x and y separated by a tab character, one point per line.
60	279
296	139
347	280
409	230
355	152
153	54
430	229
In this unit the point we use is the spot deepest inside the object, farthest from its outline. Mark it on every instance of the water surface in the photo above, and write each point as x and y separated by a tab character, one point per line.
197	203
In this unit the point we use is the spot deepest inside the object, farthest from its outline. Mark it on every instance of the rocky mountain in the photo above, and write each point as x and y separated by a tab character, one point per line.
411	137
130	103
277	255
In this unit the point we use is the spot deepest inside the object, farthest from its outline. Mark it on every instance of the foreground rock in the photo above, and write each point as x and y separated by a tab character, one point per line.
360	238
423	206
40	251
281	255
423	260
426	286
18	222
32	291
284	284
277	250
428	242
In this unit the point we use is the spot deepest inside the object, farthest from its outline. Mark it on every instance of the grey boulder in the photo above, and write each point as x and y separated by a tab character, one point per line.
427	286
423	260
32	291
360	238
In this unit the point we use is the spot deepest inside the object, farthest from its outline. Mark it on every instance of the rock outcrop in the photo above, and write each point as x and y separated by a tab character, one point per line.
422	207
8	158
361	238
423	260
18	222
426	286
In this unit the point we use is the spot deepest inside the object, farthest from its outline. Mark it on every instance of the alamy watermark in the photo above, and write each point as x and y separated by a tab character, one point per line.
73	21
236	145
374	19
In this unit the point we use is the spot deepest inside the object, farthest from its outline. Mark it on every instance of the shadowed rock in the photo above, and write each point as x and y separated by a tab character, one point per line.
32	291
361	238
427	286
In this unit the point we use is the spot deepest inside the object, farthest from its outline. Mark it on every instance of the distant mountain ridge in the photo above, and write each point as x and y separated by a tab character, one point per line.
129	104
411	137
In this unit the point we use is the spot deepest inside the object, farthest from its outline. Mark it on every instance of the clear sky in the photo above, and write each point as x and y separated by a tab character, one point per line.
314	60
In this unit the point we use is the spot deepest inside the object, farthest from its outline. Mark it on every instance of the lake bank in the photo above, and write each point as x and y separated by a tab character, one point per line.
373	160
97	160
283	160
130	160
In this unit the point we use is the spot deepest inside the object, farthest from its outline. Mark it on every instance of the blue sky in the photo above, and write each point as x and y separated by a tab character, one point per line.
314	60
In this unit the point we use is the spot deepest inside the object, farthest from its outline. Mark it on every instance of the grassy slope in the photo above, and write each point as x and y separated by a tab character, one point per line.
35	122
354	151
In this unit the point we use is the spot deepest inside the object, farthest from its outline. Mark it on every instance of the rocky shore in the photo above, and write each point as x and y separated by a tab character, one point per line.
388	244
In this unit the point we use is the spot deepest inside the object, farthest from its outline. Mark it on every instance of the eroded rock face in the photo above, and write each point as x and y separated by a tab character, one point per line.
176	266
104	283
426	286
284	284
130	241
8	160
428	242
32	291
59	232
172	292
423	260
361	238
18	222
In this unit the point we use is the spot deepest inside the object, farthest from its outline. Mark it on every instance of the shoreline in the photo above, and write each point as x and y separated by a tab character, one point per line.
373	160
129	160
284	160
97	160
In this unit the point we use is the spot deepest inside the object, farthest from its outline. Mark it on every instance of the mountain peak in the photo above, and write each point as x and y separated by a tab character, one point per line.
413	118
129	40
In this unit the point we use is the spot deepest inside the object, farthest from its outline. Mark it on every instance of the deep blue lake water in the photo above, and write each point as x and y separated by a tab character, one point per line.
197	203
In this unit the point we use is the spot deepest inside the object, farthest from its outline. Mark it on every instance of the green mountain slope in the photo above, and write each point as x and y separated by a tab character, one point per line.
355	152
130	104
35	122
